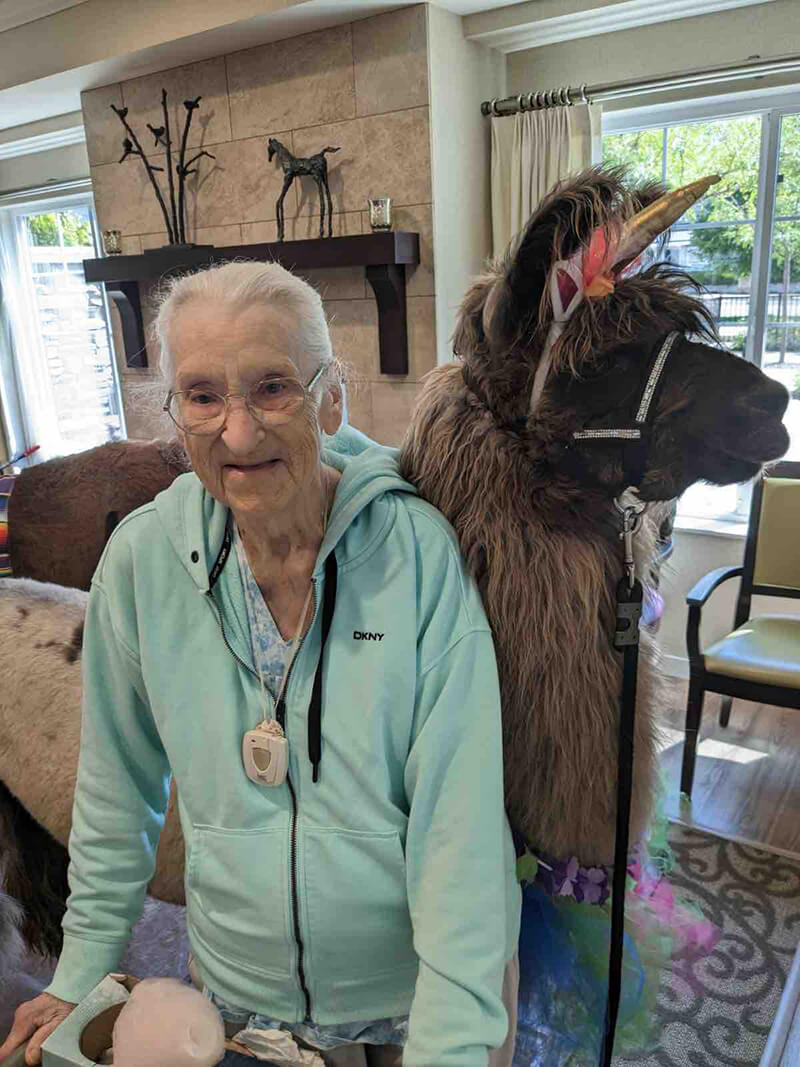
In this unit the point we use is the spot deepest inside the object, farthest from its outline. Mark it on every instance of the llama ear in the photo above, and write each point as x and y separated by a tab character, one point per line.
469	334
579	219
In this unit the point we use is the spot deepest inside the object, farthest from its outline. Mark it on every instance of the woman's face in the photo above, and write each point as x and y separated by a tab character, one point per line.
249	465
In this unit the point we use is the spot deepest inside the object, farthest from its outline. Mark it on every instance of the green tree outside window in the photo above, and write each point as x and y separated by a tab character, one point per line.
75	229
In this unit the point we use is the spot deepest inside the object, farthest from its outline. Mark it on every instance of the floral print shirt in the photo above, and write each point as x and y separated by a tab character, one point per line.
269	648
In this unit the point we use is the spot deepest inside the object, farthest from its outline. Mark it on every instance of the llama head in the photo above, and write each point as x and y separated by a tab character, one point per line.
715	417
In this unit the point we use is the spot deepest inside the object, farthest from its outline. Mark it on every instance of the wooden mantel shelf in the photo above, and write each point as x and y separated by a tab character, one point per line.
383	255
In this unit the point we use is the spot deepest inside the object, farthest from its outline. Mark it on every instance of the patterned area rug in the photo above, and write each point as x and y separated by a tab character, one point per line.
717	1016
720	1014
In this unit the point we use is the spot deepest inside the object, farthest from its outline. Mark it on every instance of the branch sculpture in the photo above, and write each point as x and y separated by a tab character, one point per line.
175	217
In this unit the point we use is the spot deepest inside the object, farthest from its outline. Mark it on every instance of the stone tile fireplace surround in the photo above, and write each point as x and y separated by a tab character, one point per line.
362	86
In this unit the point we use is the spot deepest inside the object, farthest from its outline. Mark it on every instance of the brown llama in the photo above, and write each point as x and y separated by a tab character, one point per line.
62	512
42	628
533	507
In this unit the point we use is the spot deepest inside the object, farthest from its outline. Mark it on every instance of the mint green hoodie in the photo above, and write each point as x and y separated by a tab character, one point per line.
385	887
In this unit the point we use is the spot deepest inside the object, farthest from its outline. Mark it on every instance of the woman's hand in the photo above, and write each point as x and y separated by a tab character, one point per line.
35	1019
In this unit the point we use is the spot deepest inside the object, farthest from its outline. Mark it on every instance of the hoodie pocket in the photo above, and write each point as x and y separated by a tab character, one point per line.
237	897
358	917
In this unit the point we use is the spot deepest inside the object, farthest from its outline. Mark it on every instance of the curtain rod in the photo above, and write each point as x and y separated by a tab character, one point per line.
567	95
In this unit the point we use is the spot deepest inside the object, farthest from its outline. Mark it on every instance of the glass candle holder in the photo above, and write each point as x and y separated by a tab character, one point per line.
380	212
112	242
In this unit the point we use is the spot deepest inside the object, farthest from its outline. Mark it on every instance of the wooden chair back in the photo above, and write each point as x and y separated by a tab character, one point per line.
772	550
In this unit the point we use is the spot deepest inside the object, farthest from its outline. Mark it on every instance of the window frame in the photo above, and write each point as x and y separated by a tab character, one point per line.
771	106
17	426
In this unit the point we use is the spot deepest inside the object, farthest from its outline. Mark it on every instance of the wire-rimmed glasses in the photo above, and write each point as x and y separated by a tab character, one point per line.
275	399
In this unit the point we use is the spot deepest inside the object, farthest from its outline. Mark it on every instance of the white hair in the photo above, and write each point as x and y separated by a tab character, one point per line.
245	284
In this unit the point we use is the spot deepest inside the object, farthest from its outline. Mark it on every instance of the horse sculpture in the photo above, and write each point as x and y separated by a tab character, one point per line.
315	167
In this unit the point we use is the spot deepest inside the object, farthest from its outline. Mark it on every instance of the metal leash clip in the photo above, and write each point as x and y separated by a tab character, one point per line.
631	508
629	590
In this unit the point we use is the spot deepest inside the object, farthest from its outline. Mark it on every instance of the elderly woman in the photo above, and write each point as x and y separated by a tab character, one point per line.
290	632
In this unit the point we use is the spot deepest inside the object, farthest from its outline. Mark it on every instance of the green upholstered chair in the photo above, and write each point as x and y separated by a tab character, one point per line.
760	659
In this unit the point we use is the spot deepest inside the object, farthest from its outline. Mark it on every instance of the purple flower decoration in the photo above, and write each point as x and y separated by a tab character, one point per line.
586	885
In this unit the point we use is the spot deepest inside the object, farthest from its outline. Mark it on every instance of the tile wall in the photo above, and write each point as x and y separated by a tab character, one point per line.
362	87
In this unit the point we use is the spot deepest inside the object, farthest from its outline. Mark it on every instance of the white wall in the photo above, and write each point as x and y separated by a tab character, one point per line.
33	169
44	168
695	555
683	44
98	30
461	75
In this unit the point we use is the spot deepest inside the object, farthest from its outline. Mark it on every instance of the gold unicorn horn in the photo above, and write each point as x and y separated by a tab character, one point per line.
643	228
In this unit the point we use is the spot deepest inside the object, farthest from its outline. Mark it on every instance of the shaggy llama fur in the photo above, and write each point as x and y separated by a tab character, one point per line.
548	588
534	511
62	512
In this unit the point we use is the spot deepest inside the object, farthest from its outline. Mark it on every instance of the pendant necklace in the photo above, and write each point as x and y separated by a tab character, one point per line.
265	750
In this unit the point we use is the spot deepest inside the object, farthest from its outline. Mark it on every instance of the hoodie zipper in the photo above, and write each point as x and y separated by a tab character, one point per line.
280	715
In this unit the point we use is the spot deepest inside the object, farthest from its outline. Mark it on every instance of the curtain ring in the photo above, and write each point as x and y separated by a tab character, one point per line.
530	101
521	102
493	107
546	99
567	101
584	97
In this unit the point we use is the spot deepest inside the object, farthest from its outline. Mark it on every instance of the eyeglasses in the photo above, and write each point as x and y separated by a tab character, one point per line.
275	399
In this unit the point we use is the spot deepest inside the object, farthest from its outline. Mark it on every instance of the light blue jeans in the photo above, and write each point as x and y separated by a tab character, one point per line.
344	1056
392	1055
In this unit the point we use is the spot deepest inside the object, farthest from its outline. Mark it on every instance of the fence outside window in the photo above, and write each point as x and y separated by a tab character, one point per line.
741	241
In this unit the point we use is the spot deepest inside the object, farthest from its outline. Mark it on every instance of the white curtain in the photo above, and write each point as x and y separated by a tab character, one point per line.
533	150
37	418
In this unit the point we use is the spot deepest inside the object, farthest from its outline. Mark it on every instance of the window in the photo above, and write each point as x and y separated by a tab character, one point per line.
60	387
741	241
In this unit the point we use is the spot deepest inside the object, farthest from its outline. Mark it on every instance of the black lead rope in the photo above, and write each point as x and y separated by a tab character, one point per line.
635	439
626	638
315	708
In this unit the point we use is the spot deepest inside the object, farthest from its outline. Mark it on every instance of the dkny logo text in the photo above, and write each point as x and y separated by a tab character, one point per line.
362	635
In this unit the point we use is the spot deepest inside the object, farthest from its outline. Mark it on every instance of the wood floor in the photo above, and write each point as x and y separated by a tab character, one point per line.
747	783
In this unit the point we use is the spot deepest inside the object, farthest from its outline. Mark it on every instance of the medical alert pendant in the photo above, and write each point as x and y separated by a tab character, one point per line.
265	752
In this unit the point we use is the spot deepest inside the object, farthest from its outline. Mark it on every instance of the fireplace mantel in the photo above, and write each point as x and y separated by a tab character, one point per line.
383	255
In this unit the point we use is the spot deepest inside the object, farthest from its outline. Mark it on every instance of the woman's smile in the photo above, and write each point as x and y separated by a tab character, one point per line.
251	468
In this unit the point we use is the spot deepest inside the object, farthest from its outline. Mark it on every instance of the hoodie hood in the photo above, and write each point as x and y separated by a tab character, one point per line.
195	521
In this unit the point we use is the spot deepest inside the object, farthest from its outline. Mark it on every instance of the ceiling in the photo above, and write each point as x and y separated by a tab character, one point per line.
538	23
51	50
18	12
